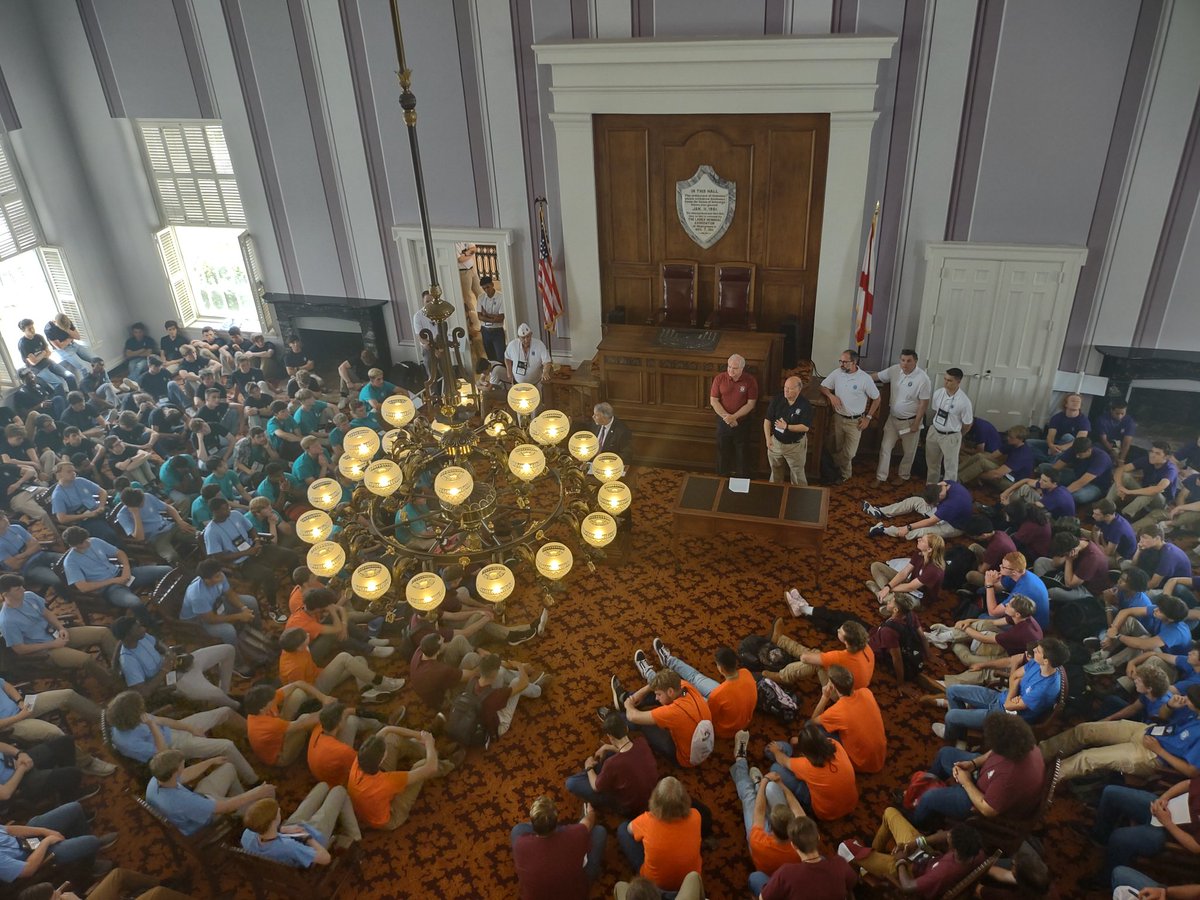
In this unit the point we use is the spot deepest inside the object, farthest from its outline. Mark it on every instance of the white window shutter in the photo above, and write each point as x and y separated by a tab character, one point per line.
18	227
59	278
192	173
181	291
254	274
8	373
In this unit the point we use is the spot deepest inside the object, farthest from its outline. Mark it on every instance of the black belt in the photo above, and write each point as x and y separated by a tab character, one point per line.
859	416
906	419
939	431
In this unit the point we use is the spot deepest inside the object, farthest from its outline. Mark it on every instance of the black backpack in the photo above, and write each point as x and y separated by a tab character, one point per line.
463	720
775	701
912	648
959	561
1078	620
756	652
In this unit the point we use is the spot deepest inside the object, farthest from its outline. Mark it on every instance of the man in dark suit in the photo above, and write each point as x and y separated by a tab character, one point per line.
615	436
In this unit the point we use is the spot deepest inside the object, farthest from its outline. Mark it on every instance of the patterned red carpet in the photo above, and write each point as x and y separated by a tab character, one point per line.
696	595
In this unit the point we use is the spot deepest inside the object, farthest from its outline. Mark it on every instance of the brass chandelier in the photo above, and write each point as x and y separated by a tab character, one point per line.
510	488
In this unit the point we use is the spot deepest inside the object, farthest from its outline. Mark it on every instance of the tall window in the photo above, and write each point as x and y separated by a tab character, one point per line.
209	258
35	282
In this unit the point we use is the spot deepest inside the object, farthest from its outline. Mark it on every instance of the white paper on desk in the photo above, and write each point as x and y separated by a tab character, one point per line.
1181	813
31	702
739	485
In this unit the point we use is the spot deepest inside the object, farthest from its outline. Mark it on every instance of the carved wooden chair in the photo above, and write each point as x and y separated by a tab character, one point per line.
733	300
270	878
680	286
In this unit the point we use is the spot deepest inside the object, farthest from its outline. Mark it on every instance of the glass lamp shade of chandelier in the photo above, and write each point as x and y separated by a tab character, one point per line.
314	526
324	493
397	410
453	485
527	461
390	438
614	497
466	392
550	427
383	477
325	559
608	467
583	445
371	580
361	442
495	582
523	398
425	591
599	529
351	467
554	560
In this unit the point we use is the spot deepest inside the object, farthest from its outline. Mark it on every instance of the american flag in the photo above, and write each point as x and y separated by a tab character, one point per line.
552	305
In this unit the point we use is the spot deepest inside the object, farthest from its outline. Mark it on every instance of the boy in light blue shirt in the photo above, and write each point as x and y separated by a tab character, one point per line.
217	792
303	840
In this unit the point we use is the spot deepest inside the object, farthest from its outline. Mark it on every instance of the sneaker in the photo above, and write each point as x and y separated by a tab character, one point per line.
741	741
382	652
374	695
98	767
935	638
1100	667
390	684
663	653
939	729
797	604
542	620
542	679
602	713
243	673
756	776
643	665
379	642
1093	644
877	530
618	693
520	637
873	511
280	617
935	700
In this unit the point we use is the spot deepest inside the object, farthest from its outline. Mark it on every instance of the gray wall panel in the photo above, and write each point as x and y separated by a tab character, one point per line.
148	58
1057	82
694	18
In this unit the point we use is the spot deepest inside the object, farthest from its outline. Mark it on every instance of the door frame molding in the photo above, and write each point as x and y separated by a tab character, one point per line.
1070	257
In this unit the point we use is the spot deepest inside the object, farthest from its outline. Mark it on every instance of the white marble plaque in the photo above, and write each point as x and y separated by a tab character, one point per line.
705	203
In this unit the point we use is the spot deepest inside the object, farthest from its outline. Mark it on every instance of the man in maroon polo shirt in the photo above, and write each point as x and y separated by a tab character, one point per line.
557	862
733	396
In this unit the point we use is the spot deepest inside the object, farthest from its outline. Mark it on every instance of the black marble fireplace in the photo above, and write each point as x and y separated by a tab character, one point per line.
1162	386
365	313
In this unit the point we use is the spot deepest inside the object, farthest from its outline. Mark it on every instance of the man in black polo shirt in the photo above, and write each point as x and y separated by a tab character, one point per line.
35	352
786	425
156	379
172	343
138	348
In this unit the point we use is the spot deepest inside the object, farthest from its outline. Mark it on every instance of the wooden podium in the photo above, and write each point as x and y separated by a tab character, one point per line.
661	392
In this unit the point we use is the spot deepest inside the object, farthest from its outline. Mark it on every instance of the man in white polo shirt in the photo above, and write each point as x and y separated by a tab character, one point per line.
911	390
848	390
526	357
952	416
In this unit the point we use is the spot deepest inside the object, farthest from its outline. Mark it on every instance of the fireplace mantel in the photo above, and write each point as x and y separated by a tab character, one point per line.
366	313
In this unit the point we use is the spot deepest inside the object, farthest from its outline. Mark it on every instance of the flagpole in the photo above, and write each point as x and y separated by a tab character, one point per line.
868	270
540	204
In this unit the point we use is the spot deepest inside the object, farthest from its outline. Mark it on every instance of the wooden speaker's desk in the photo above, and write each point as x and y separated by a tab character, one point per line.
784	513
661	392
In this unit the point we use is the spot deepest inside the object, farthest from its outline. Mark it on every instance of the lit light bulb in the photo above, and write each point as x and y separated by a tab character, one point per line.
554	560
361	442
371	580
397	410
614	497
495	582
324	493
314	526
583	445
383	477
453	485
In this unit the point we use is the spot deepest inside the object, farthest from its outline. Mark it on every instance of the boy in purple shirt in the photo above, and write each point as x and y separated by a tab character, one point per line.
1155	488
1012	460
1090	470
946	509
1114	532
1160	559
1115	430
1045	490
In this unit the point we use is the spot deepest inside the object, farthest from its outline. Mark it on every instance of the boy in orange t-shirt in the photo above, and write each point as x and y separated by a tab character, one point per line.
731	700
276	734
296	664
766	824
817	769
670	728
853	717
383	797
331	751
854	654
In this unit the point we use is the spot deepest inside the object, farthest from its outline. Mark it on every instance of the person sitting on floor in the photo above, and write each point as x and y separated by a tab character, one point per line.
277	730
766	825
325	816
985	645
1151	823
921	575
148	666
218	791
814	875
817	769
678	726
146	518
493	695
1046	489
296	664
556	861
1165	629
663	843
945	509
331	750
21	717
856	655
851	715
45	770
621	774
383	796
94	566
730	700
